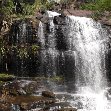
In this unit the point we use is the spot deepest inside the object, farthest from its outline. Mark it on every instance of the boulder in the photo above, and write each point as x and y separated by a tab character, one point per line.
48	94
20	87
30	87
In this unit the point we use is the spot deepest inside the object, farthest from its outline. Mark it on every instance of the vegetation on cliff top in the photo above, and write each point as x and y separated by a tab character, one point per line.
24	8
98	5
101	8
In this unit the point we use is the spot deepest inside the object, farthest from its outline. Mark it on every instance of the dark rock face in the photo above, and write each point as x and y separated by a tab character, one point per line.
61	39
21	32
21	39
59	20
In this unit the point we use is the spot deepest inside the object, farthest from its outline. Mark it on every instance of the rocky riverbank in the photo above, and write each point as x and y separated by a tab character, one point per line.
23	95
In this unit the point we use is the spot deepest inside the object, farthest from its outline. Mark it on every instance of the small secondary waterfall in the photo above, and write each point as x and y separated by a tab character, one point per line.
48	47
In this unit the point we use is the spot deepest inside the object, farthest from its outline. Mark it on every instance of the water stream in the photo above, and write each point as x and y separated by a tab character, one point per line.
84	59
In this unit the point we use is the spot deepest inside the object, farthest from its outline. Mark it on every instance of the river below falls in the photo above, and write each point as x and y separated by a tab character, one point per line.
87	101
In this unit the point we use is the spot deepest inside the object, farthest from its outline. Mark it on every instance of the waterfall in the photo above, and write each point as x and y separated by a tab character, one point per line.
49	53
83	57
89	41
23	31
78	49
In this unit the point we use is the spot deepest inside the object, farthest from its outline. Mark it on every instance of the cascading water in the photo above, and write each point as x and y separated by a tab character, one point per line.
48	47
83	59
88	40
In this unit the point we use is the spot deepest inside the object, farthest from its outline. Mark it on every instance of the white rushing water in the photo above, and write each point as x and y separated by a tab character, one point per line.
48	53
87	45
88	40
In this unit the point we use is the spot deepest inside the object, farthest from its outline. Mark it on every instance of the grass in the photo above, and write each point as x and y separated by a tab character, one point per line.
53	78
6	77
56	78
98	5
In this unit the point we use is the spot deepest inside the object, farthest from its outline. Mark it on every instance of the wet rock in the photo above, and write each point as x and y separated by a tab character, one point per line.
48	94
31	87
58	105
10	88
20	87
105	21
59	20
67	109
5	107
25	102
45	19
42	17
24	106
21	92
39	16
107	93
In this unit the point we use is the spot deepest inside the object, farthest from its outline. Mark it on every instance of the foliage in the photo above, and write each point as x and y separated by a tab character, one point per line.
1	82
2	75
34	49
7	8
5	78
104	5
89	6
28	8
53	78
22	51
98	5
57	78
24	8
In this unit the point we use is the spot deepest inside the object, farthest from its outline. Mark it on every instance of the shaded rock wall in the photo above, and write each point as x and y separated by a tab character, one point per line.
19	49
